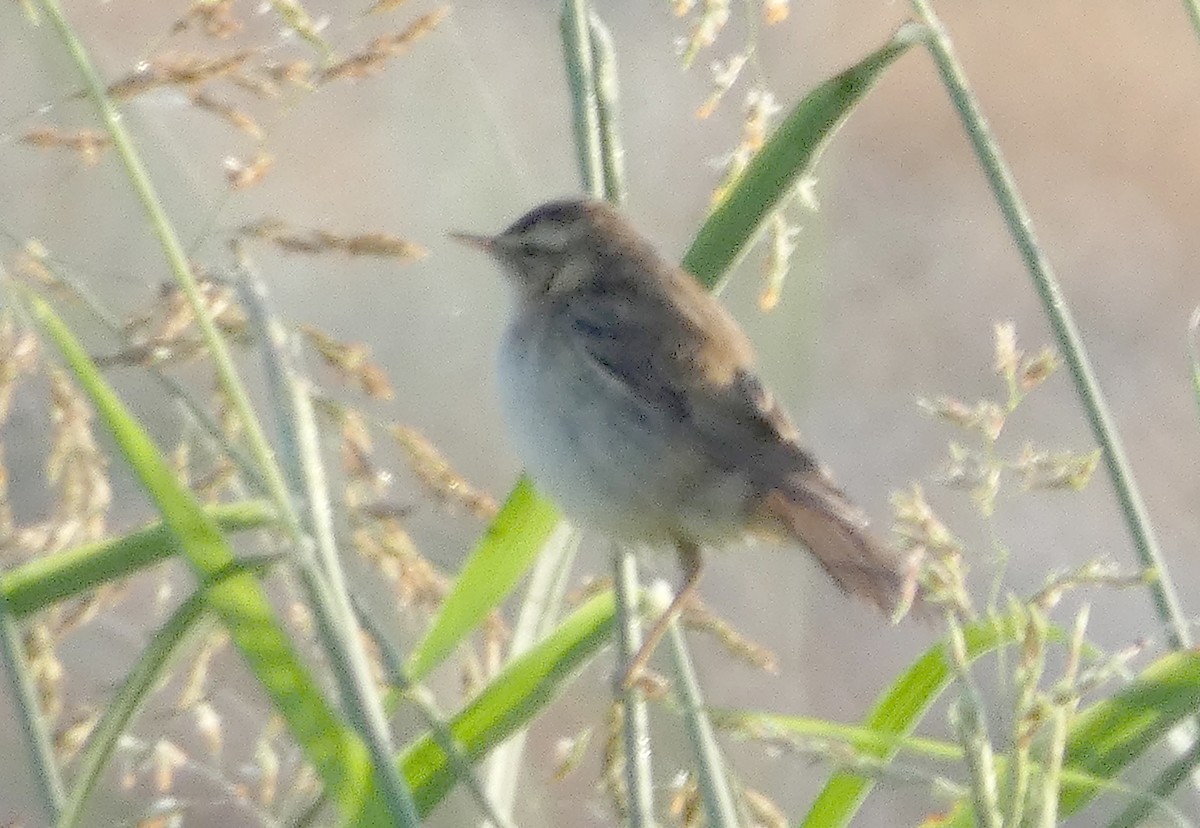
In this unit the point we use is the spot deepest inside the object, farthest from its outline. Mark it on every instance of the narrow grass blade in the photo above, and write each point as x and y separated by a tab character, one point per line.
1107	736
315	557
899	710
184	625
511	700
604	67
578	57
1062	322
635	715
872	744
423	702
338	755
860	738
37	742
711	779
540	610
1170	778
72	572
785	159
502	556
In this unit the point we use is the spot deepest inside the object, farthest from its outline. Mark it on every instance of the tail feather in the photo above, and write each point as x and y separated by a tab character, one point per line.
818	515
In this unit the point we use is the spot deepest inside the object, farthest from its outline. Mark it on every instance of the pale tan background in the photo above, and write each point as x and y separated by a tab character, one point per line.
1096	105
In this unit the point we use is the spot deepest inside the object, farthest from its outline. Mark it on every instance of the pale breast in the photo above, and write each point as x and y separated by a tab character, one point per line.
610	462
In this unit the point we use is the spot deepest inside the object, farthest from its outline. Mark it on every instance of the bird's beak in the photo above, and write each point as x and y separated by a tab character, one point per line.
485	243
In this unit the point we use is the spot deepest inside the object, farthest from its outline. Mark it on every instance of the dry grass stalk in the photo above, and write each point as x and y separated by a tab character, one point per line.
365	483
292	73
214	17
438	476
921	533
30	264
612	762
45	668
165	760
242	174
210	727
76	465
388	545
88	143
778	261
776	11
66	618
386	6
705	28
761	107
229	113
763	810
313	242
187	70
698	616
496	636
74	734
686	806
352	360
18	358
569	752
725	74
195	682
371	60
297	18
165	332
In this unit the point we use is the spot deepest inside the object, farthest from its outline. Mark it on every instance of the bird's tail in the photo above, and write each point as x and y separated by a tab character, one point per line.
810	509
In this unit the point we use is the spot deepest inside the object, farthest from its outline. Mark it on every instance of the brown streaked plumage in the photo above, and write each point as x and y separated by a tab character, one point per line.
633	399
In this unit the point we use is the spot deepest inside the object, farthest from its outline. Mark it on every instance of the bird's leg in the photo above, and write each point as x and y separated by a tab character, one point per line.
691	564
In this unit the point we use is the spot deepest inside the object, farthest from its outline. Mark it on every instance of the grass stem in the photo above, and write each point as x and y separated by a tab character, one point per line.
1070	342
719	805
581	77
635	718
316	556
38	744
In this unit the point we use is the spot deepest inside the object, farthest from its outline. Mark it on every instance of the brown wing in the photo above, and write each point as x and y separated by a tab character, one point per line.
678	351
673	346
611	330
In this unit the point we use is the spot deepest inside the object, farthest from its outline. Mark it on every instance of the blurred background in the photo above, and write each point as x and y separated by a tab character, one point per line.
892	296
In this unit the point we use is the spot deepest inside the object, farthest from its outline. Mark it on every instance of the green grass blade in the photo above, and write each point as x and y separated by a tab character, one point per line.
43	581
1110	735
871	743
712	780
183	626
862	739
338	755
511	700
784	159
499	560
576	40
36	739
1107	736
1168	779
898	711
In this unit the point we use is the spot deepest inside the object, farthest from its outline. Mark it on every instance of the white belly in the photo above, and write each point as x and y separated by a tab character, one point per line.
602	457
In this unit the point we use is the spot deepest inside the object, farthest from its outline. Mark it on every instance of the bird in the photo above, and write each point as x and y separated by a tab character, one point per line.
633	398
